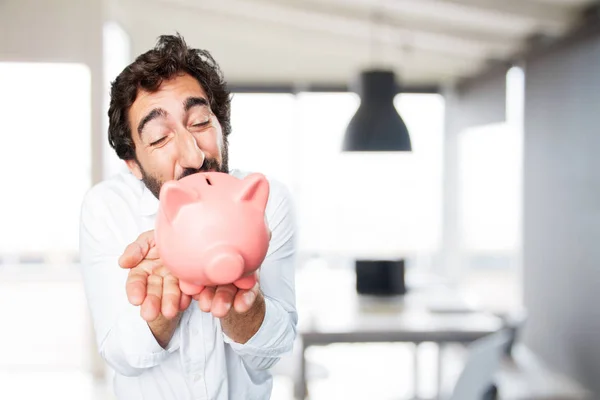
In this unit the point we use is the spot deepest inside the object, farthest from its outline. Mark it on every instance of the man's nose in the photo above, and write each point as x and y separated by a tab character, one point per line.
190	155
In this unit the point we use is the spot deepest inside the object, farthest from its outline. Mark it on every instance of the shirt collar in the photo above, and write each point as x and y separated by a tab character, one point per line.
148	202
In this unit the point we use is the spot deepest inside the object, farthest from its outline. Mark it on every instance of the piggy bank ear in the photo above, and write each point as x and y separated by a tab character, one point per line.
255	188
173	196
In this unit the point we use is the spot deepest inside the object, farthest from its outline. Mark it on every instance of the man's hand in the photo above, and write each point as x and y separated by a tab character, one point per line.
219	300
152	286
241	311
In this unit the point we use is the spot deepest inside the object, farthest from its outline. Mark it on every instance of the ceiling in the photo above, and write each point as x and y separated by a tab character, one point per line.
327	42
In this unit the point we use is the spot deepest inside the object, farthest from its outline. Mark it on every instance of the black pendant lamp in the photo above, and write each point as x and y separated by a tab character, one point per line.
377	126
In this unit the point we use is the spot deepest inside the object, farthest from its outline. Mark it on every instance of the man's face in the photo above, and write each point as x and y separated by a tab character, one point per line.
175	133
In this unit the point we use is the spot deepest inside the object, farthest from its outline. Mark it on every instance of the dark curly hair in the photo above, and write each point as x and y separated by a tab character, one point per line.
171	56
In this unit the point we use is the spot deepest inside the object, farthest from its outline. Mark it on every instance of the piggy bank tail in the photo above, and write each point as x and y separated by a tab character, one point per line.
225	265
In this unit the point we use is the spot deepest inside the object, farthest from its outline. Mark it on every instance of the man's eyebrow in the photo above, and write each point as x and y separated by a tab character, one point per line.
193	102
155	113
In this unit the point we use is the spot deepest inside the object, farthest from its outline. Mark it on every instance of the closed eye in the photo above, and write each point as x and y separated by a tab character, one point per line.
159	141
201	124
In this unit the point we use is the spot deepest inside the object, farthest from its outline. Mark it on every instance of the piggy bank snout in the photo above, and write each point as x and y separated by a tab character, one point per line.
224	264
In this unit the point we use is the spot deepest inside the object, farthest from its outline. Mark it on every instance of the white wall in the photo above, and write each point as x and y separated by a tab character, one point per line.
562	209
58	31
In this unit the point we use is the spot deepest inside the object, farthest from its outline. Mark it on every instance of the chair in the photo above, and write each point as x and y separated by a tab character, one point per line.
476	381
514	322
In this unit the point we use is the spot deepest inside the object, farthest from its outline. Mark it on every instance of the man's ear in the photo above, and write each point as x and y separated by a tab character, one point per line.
134	167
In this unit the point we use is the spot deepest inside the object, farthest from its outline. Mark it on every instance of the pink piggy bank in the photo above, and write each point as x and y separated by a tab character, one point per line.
211	229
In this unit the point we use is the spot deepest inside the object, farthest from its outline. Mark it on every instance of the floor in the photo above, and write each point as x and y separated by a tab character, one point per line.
45	337
375	372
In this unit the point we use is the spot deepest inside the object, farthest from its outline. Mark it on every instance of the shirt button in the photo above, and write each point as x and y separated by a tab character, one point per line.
197	377
194	331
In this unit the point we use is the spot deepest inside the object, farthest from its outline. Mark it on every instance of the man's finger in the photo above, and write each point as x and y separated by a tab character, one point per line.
171	296
223	300
135	252
131	257
244	299
136	286
152	304
153	252
184	302
205	298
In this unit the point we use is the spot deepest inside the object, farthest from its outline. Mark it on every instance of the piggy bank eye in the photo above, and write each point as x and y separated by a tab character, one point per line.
208	181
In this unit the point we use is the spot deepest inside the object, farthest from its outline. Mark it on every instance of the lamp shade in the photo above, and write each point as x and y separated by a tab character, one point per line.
377	126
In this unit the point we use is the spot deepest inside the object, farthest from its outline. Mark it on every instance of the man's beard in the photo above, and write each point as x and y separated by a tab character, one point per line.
210	164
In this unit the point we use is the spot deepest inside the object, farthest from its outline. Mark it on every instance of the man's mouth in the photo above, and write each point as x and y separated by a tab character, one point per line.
190	171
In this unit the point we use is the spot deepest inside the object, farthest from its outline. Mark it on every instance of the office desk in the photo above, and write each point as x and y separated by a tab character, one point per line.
330	312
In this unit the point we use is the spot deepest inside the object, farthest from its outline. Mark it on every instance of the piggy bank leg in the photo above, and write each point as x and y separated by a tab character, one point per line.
190	288
246	282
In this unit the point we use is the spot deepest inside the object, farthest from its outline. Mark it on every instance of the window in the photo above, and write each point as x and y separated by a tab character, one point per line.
490	171
490	205
262	135
397	205
46	157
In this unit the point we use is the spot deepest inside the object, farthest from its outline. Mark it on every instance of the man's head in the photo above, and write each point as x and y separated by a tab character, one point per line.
169	114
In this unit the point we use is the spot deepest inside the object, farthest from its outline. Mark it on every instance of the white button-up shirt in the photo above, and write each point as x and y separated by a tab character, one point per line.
200	362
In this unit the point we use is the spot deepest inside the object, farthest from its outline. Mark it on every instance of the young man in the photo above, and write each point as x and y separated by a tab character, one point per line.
169	117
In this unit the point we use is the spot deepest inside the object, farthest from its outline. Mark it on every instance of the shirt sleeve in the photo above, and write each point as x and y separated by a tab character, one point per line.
124	339
277	333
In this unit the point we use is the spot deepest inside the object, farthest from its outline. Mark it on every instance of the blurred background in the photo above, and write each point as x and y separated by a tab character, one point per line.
464	266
